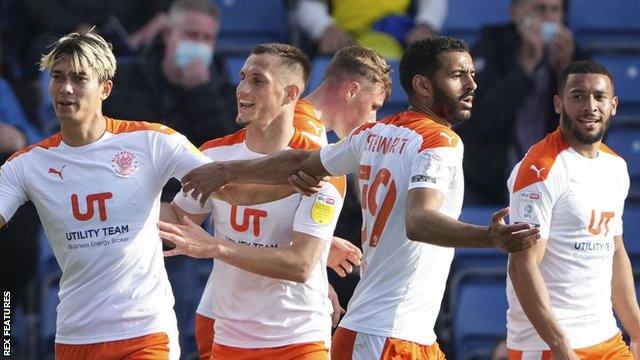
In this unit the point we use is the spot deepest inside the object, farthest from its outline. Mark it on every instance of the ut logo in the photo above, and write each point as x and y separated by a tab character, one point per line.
256	214
91	200
605	217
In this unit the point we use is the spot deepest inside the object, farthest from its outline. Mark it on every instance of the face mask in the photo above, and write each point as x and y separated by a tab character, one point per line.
188	51
549	31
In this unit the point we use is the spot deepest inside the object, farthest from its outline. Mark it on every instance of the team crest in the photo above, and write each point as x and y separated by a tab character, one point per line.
323	209
124	163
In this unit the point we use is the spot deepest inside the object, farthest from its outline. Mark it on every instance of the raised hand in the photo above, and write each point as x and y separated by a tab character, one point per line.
512	238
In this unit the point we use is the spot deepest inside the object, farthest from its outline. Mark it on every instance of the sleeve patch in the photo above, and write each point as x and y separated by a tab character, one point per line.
323	209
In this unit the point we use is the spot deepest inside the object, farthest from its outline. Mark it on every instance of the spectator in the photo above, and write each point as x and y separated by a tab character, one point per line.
517	66
384	26
15	130
179	82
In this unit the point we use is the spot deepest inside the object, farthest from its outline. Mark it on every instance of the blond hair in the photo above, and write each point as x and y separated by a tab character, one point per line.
88	51
358	60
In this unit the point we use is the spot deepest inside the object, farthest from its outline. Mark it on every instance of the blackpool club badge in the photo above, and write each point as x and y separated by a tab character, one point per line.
323	209
124	163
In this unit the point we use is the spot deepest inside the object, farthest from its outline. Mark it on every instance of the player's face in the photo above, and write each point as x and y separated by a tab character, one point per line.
586	106
366	103
77	96
260	93
454	87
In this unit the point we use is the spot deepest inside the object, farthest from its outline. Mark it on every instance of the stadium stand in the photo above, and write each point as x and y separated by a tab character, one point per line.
466	18
248	23
610	25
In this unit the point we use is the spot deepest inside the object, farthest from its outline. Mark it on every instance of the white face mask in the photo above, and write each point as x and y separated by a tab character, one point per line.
189	51
549	31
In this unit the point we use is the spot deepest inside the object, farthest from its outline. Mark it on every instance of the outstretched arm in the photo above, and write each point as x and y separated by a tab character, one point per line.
533	295
623	295
425	223
272	169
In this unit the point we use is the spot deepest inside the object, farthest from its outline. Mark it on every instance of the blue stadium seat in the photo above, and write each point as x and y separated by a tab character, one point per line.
318	68
466	258
466	18
625	69
625	140
602	25
247	23
234	65
631	235
478	308
398	101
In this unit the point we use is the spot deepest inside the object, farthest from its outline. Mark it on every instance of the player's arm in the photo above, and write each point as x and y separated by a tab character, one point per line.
253	194
623	295
171	213
2	221
425	223
272	169
294	263
533	295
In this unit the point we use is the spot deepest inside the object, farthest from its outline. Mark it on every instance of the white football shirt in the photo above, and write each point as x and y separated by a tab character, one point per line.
99	205
577	202
402	281
254	311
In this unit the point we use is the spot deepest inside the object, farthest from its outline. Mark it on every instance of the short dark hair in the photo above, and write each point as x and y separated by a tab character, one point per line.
421	58
290	56
582	67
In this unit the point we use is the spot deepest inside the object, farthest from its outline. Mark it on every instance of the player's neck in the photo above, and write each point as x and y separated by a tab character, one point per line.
586	150
421	108
324	100
78	133
272	137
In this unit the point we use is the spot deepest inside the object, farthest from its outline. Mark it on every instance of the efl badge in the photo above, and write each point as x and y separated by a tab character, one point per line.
528	204
323	209
124	163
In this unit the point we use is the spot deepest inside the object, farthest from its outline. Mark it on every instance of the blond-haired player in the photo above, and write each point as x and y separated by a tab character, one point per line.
572	186
96	186
268	289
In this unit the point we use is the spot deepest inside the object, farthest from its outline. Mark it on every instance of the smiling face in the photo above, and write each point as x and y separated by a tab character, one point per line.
260	93
586	106
77	95
453	87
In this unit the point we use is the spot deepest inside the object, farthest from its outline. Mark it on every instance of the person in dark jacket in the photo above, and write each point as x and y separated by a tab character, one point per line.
517	66
179	82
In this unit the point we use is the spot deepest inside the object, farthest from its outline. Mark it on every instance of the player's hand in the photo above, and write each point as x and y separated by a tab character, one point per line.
189	239
634	346
512	238
337	308
343	256
307	185
204	181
